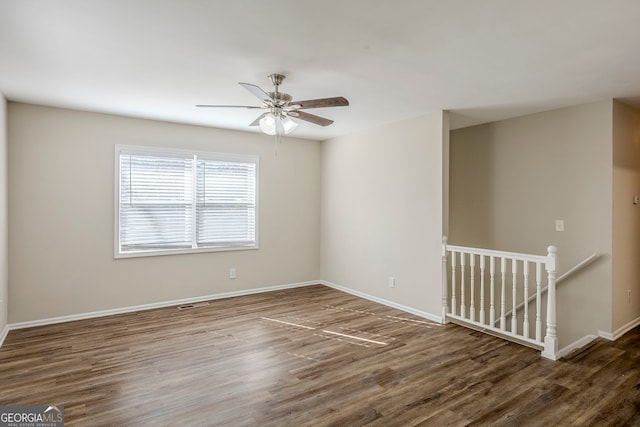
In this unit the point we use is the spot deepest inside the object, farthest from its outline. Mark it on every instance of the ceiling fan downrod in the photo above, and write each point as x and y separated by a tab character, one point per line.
276	79
279	99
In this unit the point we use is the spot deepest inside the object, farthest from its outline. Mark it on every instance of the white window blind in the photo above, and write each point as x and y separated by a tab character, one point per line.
172	201
225	208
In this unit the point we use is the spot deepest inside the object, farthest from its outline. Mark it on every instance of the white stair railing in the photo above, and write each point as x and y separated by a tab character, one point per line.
582	264
506	270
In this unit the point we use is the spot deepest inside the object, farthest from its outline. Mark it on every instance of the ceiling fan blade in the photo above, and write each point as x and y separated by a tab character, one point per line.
256	91
312	118
256	122
338	101
228	106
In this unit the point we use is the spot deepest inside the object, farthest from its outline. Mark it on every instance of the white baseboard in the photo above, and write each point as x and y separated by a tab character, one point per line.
606	335
3	334
602	334
131	309
576	345
438	319
382	301
626	328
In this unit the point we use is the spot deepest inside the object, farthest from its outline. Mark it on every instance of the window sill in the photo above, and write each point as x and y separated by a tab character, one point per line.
162	252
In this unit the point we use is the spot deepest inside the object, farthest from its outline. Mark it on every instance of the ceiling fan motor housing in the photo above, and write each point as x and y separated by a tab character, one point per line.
280	98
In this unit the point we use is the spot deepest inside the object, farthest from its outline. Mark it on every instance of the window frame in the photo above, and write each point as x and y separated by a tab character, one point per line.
171	152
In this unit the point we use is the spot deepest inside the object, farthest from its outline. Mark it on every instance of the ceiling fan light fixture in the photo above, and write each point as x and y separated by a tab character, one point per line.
288	125
273	124
268	124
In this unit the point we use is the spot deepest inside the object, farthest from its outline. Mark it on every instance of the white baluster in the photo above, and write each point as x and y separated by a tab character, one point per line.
492	282
482	313
551	339
538	302
503	276
525	322
514	312
453	283
445	308
463	308
472	272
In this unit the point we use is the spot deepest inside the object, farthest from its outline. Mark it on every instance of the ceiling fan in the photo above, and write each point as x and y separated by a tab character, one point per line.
281	108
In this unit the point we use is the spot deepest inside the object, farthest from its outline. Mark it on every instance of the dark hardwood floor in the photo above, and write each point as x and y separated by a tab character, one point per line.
310	356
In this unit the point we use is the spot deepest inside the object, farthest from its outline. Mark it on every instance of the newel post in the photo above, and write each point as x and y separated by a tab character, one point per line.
551	338
445	308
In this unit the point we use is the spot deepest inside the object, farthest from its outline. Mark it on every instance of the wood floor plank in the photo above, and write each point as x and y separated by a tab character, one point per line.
310	356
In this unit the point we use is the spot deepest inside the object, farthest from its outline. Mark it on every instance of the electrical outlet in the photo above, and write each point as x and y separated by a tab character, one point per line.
559	224
392	282
232	273
628	296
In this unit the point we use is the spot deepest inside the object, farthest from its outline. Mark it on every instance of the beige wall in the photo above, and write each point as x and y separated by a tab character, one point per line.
61	178
626	215
512	179
4	268
470	198
382	211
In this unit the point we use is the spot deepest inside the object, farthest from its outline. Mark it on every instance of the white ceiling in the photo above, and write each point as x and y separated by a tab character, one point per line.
483	60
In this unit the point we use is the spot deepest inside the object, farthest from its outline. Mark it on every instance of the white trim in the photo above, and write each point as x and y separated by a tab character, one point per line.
497	254
579	266
162	252
502	333
131	309
4	333
606	335
625	328
576	345
90	315
382	301
550	356
186	154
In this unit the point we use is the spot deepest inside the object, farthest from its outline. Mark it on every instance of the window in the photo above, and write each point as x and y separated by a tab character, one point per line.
173	201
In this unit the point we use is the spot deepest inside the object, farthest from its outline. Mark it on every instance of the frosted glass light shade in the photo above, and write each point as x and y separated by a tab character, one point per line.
288	125
275	125
268	124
